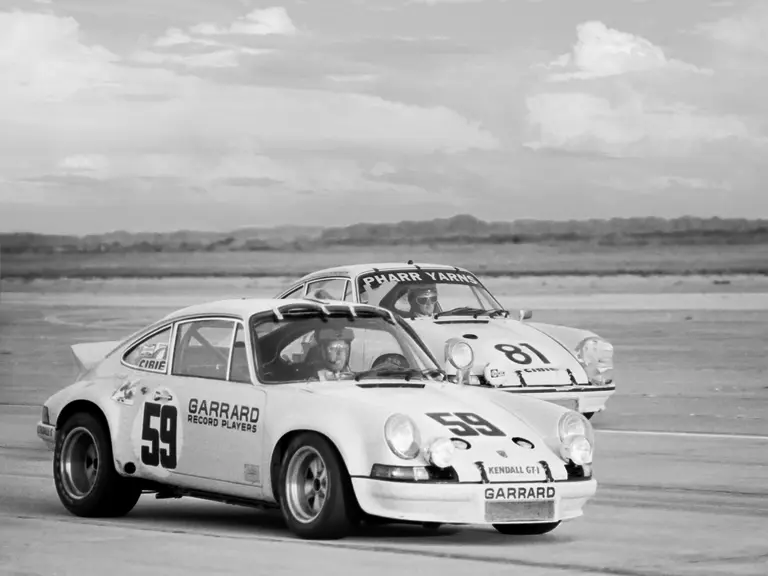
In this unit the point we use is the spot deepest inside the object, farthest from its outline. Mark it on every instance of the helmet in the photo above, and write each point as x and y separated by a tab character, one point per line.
329	334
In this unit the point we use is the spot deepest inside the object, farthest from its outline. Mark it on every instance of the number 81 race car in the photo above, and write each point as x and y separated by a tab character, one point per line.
225	401
443	304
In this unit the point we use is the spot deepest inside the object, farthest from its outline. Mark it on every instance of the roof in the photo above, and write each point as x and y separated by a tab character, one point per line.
352	270
246	307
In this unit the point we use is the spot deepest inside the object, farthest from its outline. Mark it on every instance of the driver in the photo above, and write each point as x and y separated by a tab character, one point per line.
334	344
423	299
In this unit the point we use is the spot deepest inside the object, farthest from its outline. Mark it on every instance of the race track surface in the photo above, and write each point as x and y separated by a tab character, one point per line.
682	453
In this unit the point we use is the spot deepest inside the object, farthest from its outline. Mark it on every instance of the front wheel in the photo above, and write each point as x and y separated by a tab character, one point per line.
316	495
86	480
526	529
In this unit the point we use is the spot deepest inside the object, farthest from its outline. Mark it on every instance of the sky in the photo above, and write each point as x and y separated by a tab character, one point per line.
158	115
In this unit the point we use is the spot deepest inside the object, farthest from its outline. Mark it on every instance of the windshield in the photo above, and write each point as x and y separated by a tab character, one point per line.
424	291
311	345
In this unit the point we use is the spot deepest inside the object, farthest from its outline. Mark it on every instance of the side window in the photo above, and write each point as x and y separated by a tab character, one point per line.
347	291
295	293
332	289
203	348
238	371
150	354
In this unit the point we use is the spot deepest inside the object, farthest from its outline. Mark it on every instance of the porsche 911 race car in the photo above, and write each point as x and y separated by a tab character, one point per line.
225	401
564	365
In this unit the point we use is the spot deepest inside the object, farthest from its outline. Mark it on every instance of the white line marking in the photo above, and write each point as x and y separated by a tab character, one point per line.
685	434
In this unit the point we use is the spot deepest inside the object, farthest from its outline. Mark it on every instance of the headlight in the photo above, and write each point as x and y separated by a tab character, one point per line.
402	436
596	355
440	452
574	424
459	353
577	438
577	449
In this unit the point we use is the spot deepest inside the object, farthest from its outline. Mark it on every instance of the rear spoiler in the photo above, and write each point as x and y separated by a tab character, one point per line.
88	354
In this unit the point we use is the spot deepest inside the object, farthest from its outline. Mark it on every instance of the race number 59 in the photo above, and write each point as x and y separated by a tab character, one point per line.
159	429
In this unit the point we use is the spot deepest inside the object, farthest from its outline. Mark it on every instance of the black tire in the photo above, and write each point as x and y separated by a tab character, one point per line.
339	512
526	529
109	494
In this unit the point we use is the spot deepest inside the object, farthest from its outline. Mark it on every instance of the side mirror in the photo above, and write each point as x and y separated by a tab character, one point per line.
525	315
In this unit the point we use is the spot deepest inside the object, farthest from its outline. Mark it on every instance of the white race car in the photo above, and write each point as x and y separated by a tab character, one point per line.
225	401
568	366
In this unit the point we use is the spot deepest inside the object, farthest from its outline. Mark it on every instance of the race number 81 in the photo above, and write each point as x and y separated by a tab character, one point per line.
165	432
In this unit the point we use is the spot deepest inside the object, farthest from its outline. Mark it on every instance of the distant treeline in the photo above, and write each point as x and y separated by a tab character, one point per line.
461	229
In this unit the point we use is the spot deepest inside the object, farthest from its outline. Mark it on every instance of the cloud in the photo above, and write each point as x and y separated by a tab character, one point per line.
602	52
746	31
630	126
69	108
259	22
619	95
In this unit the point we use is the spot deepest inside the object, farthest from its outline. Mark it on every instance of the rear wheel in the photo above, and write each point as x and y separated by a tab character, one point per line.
316	496
85	478
526	529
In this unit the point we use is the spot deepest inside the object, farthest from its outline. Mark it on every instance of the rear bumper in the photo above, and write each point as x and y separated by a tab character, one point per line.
497	503
47	433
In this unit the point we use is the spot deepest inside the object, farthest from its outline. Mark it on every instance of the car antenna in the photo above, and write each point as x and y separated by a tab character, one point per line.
410	261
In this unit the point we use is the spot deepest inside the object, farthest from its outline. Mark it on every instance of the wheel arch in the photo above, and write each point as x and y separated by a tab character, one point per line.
281	446
86	406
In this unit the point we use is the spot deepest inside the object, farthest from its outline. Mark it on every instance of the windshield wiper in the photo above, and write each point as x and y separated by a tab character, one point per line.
463	311
406	373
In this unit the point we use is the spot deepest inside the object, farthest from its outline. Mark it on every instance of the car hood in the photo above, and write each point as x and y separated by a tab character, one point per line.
495	341
459	412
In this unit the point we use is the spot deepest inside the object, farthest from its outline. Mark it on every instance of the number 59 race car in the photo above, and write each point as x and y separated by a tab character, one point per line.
565	365
226	401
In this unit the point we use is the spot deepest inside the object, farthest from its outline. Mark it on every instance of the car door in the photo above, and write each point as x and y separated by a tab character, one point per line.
211	408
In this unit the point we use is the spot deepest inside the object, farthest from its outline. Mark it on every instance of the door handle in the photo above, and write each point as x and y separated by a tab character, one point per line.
162	395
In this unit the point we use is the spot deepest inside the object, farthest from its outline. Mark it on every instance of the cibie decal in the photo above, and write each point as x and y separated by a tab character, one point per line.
223	415
373	280
153	357
521	493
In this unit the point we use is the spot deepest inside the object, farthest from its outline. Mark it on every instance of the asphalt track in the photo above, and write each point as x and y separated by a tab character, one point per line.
682	461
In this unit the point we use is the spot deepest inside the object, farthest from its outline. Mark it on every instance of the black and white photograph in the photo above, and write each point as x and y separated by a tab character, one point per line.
367	287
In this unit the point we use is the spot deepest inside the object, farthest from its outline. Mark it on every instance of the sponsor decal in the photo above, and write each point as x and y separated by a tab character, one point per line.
514	470
373	280
223	415
521	493
252	473
153	357
151	364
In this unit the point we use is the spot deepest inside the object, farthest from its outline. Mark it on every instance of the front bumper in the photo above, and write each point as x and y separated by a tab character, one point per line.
47	433
474	503
582	399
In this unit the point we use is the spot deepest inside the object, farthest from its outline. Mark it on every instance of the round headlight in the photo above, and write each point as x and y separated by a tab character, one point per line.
402	436
574	424
440	452
596	355
460	354
577	449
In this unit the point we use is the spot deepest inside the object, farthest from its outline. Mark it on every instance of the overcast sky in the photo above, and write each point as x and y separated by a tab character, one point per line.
216	114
